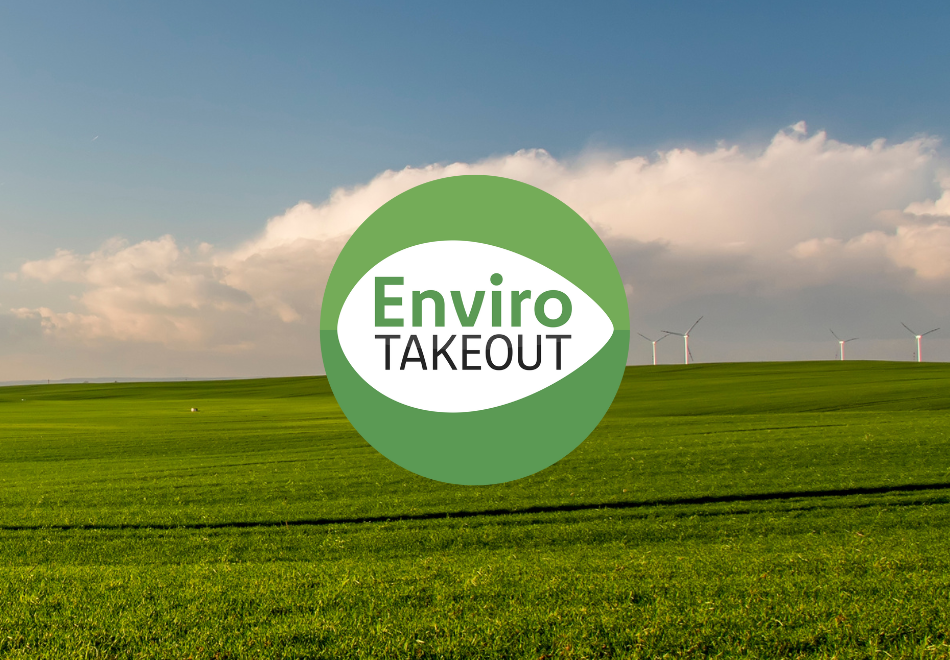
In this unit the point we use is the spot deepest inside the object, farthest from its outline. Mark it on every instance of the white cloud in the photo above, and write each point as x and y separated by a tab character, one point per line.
930	207
923	250
799	212
150	291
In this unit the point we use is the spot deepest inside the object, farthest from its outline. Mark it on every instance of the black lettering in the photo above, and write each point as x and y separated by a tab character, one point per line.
521	355
466	352
387	338
488	352
413	340
557	359
436	352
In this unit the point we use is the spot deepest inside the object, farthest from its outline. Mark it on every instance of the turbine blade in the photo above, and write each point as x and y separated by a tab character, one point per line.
908	329
644	336
670	332
694	325
847	340
833	333
929	331
662	338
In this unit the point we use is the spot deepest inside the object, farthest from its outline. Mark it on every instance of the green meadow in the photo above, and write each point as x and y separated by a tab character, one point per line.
723	510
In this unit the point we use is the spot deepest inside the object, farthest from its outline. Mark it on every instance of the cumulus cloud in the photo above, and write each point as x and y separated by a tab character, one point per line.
803	211
931	208
150	291
923	250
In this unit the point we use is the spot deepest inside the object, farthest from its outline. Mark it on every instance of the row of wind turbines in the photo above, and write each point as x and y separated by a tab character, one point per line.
685	335
687	356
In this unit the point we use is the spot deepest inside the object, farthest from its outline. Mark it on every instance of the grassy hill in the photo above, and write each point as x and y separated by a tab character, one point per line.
763	510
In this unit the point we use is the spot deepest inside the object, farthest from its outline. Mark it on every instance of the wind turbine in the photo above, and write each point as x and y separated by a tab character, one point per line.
918	338
842	342
685	337
653	341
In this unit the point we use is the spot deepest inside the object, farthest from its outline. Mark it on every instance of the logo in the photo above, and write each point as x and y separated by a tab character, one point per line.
474	330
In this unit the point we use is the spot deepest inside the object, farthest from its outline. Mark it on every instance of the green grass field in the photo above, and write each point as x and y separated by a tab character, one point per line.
734	510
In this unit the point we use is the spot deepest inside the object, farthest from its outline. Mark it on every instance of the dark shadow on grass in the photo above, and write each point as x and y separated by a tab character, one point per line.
554	508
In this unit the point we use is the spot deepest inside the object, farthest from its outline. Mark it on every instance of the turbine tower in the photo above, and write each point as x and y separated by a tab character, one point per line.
918	338
685	336
653	341
842	342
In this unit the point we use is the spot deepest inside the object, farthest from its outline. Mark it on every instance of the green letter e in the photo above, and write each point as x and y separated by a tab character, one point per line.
382	302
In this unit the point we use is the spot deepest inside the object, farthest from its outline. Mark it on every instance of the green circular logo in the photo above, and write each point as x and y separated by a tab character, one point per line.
474	330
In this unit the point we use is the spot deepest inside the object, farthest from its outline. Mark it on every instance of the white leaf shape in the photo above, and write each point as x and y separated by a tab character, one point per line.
466	267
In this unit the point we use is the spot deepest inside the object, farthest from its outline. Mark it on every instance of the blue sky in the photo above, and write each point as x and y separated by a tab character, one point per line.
213	117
